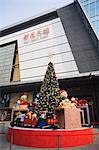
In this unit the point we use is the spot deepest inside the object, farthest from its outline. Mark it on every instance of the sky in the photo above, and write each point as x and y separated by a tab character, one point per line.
13	11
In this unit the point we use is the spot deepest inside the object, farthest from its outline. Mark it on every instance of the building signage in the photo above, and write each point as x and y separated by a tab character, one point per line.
36	35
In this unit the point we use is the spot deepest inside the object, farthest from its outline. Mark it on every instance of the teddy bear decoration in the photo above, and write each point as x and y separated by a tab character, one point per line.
65	103
22	102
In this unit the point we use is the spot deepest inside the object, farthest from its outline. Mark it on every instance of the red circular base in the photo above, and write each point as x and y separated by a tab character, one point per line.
45	138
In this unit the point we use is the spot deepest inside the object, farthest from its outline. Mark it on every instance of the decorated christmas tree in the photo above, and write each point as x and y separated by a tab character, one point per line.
49	96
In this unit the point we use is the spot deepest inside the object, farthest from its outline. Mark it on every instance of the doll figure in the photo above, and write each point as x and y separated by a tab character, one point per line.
73	102
65	101
29	114
18	104
63	94
24	97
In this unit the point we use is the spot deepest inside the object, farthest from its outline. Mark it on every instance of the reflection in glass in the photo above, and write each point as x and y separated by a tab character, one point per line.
92	9
6	60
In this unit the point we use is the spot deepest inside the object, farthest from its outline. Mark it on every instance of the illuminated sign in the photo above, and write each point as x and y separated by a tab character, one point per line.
36	35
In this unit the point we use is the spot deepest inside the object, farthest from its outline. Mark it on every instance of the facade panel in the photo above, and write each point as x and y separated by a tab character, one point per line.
43	45
63	70
43	52
82	46
6	61
36	52
40	44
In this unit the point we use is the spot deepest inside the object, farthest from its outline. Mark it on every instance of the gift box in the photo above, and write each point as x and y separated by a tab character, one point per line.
42	122
52	121
30	122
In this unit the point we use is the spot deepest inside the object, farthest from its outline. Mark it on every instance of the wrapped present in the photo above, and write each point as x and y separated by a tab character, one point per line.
30	122
52	121
42	122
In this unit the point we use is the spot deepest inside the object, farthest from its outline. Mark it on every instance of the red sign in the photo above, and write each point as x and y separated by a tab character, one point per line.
36	35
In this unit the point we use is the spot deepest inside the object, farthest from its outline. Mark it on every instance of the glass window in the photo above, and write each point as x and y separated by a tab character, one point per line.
92	18
6	60
93	23
92	1
97	24
97	7
92	9
86	2
86	8
81	1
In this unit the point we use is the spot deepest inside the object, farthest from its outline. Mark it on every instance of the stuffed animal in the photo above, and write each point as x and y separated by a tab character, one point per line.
30	106
29	114
74	102
42	121
43	114
63	94
18	104
65	101
24	97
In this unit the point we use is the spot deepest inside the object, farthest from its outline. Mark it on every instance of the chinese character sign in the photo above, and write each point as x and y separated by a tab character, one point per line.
36	35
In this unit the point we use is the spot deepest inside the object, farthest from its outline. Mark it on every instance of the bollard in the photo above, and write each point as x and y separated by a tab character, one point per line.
11	143
58	142
3	127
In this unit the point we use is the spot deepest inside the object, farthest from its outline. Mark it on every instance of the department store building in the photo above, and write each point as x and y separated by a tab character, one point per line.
63	36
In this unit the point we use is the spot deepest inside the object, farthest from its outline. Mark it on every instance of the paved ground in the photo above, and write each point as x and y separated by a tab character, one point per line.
4	145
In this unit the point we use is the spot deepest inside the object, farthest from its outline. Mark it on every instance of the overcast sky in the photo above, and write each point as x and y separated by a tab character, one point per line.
13	11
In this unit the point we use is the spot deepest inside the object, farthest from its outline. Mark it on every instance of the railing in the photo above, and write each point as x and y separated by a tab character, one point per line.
11	146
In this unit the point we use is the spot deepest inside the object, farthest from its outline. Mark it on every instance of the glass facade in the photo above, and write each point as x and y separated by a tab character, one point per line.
92	9
6	61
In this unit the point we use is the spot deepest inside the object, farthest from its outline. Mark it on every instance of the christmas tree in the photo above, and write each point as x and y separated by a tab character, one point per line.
49	96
